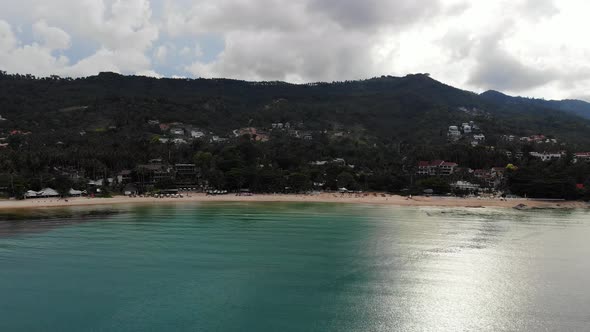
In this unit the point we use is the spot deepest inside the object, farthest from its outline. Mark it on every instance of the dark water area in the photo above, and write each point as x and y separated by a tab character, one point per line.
295	267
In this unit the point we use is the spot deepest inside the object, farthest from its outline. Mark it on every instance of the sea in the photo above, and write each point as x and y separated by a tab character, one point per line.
294	267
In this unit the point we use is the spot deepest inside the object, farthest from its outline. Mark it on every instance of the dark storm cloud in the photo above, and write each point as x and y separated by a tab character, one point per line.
497	69
374	13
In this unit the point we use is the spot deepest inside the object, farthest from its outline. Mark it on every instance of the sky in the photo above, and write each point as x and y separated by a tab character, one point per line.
536	48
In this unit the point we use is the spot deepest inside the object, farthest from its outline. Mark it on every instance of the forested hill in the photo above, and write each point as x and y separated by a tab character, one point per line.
415	109
578	107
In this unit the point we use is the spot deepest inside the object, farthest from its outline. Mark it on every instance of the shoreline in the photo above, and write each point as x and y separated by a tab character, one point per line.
367	199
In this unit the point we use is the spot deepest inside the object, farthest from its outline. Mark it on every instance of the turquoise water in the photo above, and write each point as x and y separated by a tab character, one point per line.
295	267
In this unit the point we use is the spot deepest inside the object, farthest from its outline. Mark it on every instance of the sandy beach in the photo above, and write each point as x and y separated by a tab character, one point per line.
372	198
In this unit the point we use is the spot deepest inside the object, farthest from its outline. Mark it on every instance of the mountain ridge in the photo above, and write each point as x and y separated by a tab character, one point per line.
414	108
574	106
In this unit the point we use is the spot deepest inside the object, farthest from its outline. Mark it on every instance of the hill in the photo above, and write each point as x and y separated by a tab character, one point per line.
275	136
577	107
415	108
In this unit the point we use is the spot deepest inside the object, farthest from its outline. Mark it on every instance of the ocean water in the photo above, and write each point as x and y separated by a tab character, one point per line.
294	267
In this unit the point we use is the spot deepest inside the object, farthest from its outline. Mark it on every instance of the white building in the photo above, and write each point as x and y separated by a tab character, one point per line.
546	156
177	131
75	193
464	185
454	133
479	137
582	156
47	192
179	141
97	183
197	134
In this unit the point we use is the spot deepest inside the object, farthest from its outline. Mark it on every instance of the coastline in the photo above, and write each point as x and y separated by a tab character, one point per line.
367	199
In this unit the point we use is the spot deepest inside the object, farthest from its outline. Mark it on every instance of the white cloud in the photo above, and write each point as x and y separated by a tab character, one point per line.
530	47
185	51
148	73
7	39
199	51
122	29
52	37
161	53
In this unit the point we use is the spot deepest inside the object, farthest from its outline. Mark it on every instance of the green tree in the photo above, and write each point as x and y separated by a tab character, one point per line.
299	182
62	185
438	185
346	180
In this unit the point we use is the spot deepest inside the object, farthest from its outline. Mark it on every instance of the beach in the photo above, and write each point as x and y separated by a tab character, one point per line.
368	199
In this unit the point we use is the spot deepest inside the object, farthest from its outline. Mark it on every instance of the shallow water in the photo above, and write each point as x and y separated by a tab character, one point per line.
295	267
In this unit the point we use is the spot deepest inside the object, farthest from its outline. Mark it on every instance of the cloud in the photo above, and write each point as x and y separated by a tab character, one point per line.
7	39
498	69
52	37
161	53
310	56
223	16
299	41
122	30
533	47
374	13
148	73
538	9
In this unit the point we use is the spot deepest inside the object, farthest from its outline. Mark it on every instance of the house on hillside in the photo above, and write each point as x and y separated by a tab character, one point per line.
425	169
447	168
465	186
197	134
481	173
154	172
545	156
467	128
582	156
306	135
253	133
436	167
479	137
179	141
124	176
96	183
222	139
177	131
339	162
186	171
498	172
19	132
454	134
